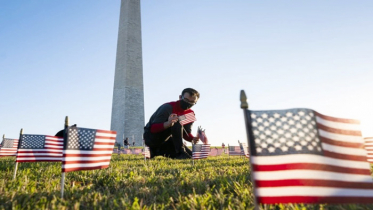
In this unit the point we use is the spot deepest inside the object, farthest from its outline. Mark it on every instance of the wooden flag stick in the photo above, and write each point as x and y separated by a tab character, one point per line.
143	144
16	166
244	107
64	140
193	151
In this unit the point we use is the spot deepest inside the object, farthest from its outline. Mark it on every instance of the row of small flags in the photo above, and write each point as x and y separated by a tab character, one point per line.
302	156
79	149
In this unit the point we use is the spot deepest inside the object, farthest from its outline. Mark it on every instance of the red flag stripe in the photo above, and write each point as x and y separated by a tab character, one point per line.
313	182
339	120
342	143
344	156
314	199
84	168
339	131
310	166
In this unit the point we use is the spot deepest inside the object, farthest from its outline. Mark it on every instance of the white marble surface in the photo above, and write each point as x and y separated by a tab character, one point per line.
127	116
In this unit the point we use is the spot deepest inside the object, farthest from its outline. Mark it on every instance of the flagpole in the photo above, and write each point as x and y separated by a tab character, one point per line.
16	166
143	145
63	173
193	144
244	107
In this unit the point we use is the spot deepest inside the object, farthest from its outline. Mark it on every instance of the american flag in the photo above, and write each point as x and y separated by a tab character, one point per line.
301	156
369	148
234	150
202	135
146	152
244	150
213	152
8	147
40	148
87	149
200	151
187	118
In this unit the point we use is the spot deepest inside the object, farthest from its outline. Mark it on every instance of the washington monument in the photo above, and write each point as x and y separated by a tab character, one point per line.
127	115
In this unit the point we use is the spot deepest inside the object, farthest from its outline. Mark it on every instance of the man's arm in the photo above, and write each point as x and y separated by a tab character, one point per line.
162	119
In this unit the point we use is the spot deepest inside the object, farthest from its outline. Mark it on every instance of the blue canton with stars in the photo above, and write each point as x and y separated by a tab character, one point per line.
80	138
7	143
32	141
282	132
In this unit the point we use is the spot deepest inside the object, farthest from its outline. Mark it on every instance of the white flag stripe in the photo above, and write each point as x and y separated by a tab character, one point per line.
39	150
312	191
109	141
39	158
111	135
103	146
344	150
86	158
86	165
311	174
52	146
338	125
53	138
341	137
307	158
87	152
38	154
54	142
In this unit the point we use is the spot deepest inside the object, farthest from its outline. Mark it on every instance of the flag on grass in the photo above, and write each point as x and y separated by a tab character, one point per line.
146	152
87	149
200	151
201	134
40	148
8	147
234	150
244	150
187	118
301	156
369	148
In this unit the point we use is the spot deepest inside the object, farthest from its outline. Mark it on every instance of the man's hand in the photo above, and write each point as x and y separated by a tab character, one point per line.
171	120
195	140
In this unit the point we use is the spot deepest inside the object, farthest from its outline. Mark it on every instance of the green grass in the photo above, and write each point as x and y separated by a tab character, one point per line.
161	183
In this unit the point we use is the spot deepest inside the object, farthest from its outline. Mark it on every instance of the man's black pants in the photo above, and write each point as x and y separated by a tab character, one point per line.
168	143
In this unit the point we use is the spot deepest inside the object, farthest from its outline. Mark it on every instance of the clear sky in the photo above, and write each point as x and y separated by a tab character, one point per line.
57	59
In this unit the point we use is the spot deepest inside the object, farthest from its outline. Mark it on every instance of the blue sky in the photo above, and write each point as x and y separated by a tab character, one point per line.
57	59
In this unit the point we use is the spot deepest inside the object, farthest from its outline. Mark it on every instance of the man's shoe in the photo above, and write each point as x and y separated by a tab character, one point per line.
183	155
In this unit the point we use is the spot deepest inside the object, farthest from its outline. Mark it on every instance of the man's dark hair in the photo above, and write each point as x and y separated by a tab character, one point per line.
191	91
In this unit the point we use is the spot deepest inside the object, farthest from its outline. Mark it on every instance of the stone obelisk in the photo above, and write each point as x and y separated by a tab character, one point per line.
127	116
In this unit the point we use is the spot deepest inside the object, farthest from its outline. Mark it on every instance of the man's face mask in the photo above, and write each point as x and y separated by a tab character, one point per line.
185	105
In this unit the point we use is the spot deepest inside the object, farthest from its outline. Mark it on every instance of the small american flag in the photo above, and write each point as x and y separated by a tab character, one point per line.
187	118
301	156
369	148
146	152
202	135
213	152
40	148
8	147
200	151
87	149
244	150
234	150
